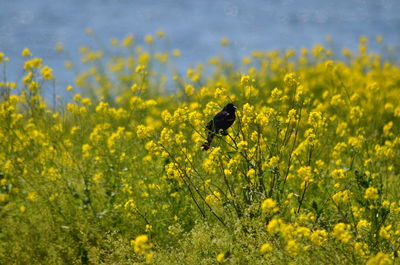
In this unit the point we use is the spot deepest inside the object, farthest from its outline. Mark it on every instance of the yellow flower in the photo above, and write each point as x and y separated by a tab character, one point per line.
220	257
363	225
290	80
148	39
384	232
303	232
361	249
340	232
242	145
176	53
33	63
245	80
47	73
140	68
214	198
319	237
251	174
380	259
148	228
97	177
274	225
27	79
371	193
89	31
292	247
315	119
3	197
224	42
32	196
189	90
250	91
114	42
141	245
59	47
246	60
341	196
142	131
160	33
86	150
266	248
128	40
26	52
22	208
269	206
305	173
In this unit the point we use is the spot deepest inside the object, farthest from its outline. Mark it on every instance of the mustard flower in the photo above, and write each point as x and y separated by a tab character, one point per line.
3	197
26	52
220	257
214	198
32	196
59	47
128	40
303	232
363	225
266	248
371	193
290	80
319	237
385	231
315	119
250	91
341	196
47	73
380	259
305	173
141	245
361	249
224	42
340	232
148	39
33	63
176	53
189	90
292	247
245	80
269	206
338	174
142	131
274	225
242	145
86	148
140	68
89	31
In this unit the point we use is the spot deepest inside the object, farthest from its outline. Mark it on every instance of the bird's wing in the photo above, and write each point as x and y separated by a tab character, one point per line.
221	116
220	120
217	120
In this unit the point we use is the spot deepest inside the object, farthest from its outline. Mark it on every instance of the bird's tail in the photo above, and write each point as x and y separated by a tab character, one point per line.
207	143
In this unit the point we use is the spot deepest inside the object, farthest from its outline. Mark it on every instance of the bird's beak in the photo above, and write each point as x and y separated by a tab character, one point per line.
235	107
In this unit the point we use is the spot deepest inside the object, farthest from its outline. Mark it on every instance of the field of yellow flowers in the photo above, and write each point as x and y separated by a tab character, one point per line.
112	171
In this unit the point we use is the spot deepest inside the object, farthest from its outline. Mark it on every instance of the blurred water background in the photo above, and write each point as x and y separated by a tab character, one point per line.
194	27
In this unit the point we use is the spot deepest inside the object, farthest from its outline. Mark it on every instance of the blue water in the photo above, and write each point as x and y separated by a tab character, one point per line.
194	27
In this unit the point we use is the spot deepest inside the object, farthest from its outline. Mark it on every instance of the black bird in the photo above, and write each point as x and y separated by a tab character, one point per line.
220	123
